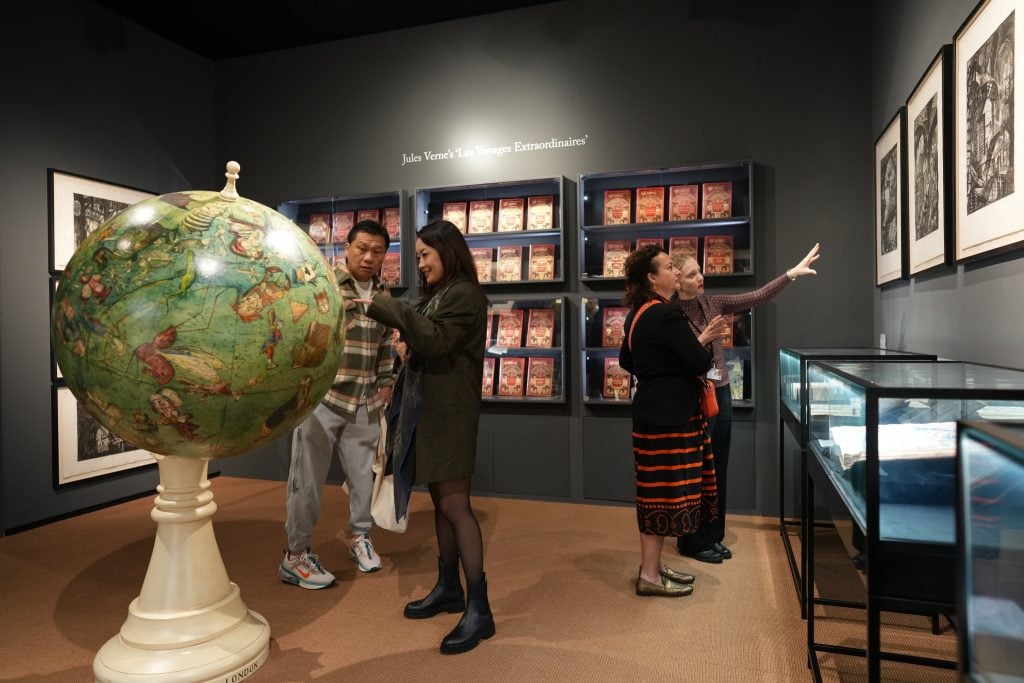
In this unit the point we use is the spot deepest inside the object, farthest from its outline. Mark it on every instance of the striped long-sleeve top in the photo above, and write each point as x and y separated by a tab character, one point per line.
701	309
366	364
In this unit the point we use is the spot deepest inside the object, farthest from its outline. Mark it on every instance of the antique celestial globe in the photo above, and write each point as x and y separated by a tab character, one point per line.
198	324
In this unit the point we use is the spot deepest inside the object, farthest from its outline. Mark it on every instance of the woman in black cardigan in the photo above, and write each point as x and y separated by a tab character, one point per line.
675	475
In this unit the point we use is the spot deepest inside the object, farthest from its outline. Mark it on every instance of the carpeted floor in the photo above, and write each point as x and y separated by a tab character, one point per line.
560	578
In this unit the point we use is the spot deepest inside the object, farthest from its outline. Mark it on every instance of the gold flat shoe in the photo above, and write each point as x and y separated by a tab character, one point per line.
672	575
664	590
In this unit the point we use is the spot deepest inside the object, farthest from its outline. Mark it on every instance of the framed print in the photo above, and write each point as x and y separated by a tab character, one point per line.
929	167
79	205
83	448
55	373
989	205
890	218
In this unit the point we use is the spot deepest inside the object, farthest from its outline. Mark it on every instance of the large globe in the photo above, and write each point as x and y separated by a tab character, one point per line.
198	324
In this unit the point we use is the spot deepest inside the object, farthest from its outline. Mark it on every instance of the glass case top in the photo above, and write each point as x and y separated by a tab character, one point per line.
845	351
933	375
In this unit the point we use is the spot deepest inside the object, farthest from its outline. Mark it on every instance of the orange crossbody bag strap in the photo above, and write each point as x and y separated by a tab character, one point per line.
636	317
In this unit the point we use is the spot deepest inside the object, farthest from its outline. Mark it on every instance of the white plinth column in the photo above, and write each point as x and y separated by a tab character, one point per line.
189	622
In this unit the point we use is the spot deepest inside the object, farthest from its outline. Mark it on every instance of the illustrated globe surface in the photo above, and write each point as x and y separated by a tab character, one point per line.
198	326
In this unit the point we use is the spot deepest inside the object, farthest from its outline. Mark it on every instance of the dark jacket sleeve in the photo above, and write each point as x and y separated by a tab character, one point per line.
677	336
458	315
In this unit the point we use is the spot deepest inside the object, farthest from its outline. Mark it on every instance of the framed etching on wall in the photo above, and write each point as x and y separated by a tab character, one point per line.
929	167
989	203
890	218
85	449
79	205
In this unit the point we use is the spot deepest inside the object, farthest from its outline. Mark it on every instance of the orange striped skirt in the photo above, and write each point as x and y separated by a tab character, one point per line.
676	490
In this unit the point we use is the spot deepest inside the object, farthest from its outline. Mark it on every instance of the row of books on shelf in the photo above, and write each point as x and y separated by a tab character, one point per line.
617	384
685	203
514	214
327	228
613	319
718	252
540	328
532	377
509	264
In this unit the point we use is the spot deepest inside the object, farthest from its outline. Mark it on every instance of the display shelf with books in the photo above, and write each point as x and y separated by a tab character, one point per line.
601	332
327	221
514	229
525	357
703	210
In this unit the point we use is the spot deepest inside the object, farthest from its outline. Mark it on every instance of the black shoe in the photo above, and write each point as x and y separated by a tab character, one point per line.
709	555
476	624
722	550
446	596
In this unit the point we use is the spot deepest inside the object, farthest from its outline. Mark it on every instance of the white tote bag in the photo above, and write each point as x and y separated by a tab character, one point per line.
382	502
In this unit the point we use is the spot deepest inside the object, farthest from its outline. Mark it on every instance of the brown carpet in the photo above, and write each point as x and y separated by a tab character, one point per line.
560	578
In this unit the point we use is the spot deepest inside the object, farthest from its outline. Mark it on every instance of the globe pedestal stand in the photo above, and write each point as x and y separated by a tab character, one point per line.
189	622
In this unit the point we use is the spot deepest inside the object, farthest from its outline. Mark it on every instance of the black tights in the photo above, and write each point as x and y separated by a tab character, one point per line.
458	532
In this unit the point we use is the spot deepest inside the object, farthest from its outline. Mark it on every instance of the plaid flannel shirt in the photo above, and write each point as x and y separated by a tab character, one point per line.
366	364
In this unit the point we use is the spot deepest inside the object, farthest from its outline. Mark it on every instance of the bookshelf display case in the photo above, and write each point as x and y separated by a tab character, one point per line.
990	543
514	230
703	210
883	442
525	357
327	221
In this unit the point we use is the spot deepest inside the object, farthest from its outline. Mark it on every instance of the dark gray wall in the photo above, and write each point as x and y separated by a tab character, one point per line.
960	312
87	93
649	84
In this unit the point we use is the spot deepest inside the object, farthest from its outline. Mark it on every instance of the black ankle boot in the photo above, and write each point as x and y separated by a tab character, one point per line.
476	624
446	596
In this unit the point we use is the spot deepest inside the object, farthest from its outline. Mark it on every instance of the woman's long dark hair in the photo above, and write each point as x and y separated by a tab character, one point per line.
456	260
638	265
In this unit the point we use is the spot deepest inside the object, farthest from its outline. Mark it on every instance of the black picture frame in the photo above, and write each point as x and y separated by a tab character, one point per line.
890	201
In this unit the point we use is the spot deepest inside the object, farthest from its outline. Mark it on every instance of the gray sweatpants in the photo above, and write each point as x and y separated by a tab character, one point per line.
314	444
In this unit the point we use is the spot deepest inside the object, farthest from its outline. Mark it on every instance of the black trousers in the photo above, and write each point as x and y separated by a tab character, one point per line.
720	428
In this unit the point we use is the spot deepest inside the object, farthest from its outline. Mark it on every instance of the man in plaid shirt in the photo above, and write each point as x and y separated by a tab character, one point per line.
345	423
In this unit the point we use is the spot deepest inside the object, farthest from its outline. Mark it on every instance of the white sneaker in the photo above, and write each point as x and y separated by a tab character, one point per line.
362	553
304	570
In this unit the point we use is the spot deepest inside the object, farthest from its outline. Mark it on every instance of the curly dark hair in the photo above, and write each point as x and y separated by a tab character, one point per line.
444	237
638	265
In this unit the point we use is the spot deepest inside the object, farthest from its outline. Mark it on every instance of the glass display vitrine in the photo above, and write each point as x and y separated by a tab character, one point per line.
882	436
327	221
990	542
795	396
514	229
704	211
525	358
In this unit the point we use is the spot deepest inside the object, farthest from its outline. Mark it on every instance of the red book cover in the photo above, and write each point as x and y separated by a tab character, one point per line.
717	200
647	241
455	212
615	253
540	328
542	262
616	206
727	340
487	388
483	257
717	254
510	328
614	318
682	203
368	215
341	223
510	214
510	264
540	377
682	247
650	204
319	227
510	376
490	328
481	216
616	380
391	269
392	222
540	213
